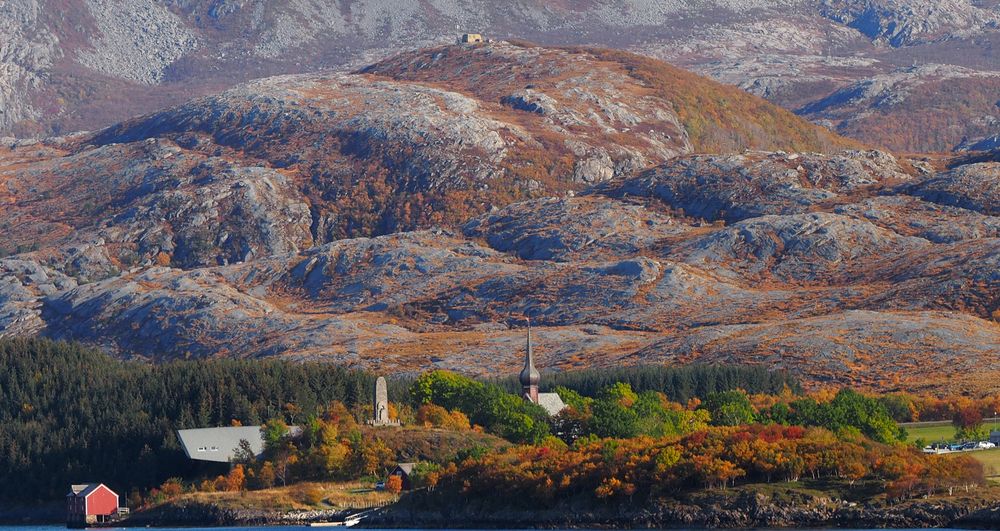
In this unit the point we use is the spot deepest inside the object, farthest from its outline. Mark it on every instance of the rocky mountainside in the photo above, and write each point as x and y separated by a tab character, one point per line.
408	215
67	66
284	163
904	22
917	107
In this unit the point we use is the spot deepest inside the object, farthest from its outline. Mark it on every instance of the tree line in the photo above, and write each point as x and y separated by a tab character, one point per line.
69	413
618	410
677	383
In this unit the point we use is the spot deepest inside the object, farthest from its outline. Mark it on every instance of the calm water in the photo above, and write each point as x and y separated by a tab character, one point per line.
290	528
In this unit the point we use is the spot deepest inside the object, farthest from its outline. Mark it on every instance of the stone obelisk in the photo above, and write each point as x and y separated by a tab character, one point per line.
380	405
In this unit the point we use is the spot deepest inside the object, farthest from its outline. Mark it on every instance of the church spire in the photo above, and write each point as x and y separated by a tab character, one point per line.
529	374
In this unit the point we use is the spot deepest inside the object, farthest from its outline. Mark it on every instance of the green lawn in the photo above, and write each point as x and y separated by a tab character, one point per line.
930	432
990	460
944	431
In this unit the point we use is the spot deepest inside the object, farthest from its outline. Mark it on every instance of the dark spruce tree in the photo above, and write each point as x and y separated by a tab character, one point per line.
71	414
678	383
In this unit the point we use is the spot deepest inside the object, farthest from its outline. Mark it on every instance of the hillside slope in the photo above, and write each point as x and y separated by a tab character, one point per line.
929	105
715	118
67	66
234	226
408	215
285	163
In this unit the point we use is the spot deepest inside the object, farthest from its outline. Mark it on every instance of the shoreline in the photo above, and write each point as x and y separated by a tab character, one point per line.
715	509
741	511
925	514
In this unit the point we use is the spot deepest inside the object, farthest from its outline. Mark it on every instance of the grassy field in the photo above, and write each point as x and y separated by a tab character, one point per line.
299	496
930	431
943	431
990	460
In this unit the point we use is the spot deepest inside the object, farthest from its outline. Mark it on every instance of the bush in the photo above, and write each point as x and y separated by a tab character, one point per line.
716	457
425	475
394	484
311	495
172	488
434	416
849	409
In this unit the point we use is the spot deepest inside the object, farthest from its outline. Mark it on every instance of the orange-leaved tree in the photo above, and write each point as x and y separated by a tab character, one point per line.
394	484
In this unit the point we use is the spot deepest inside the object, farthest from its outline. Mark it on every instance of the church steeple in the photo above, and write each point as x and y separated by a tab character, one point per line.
529	374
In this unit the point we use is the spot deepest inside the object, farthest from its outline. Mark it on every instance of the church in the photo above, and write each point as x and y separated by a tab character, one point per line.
530	378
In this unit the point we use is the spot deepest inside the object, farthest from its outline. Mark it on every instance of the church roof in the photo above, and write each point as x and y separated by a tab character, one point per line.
551	403
529	374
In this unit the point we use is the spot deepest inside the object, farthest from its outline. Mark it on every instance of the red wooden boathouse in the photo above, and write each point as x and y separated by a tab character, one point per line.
91	504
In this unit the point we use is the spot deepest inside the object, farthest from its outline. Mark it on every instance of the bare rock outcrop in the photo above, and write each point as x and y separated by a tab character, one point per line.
869	277
806	248
973	186
736	187
155	203
903	22
568	229
283	163
911	216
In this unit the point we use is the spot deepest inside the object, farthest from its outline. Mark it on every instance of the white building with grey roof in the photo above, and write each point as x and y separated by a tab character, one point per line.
219	445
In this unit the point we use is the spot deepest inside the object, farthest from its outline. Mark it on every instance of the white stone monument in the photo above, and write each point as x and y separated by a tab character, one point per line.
380	405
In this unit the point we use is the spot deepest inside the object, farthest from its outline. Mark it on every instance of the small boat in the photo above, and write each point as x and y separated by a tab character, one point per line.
348	522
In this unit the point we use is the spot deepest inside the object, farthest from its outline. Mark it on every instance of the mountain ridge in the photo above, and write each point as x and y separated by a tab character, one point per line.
405	216
69	66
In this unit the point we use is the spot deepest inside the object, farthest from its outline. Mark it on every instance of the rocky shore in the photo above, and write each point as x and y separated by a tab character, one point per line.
709	510
740	511
207	515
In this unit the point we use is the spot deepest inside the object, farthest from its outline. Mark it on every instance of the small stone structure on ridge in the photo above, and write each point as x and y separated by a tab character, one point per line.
471	38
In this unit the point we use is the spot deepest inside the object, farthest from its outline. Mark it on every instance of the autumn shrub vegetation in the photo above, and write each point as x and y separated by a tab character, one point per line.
71	412
643	468
394	484
485	404
848	410
629	401
620	443
911	408
618	411
329	447
435	416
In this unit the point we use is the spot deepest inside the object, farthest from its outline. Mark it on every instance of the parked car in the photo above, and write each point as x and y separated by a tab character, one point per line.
380	485
970	446
955	447
985	445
